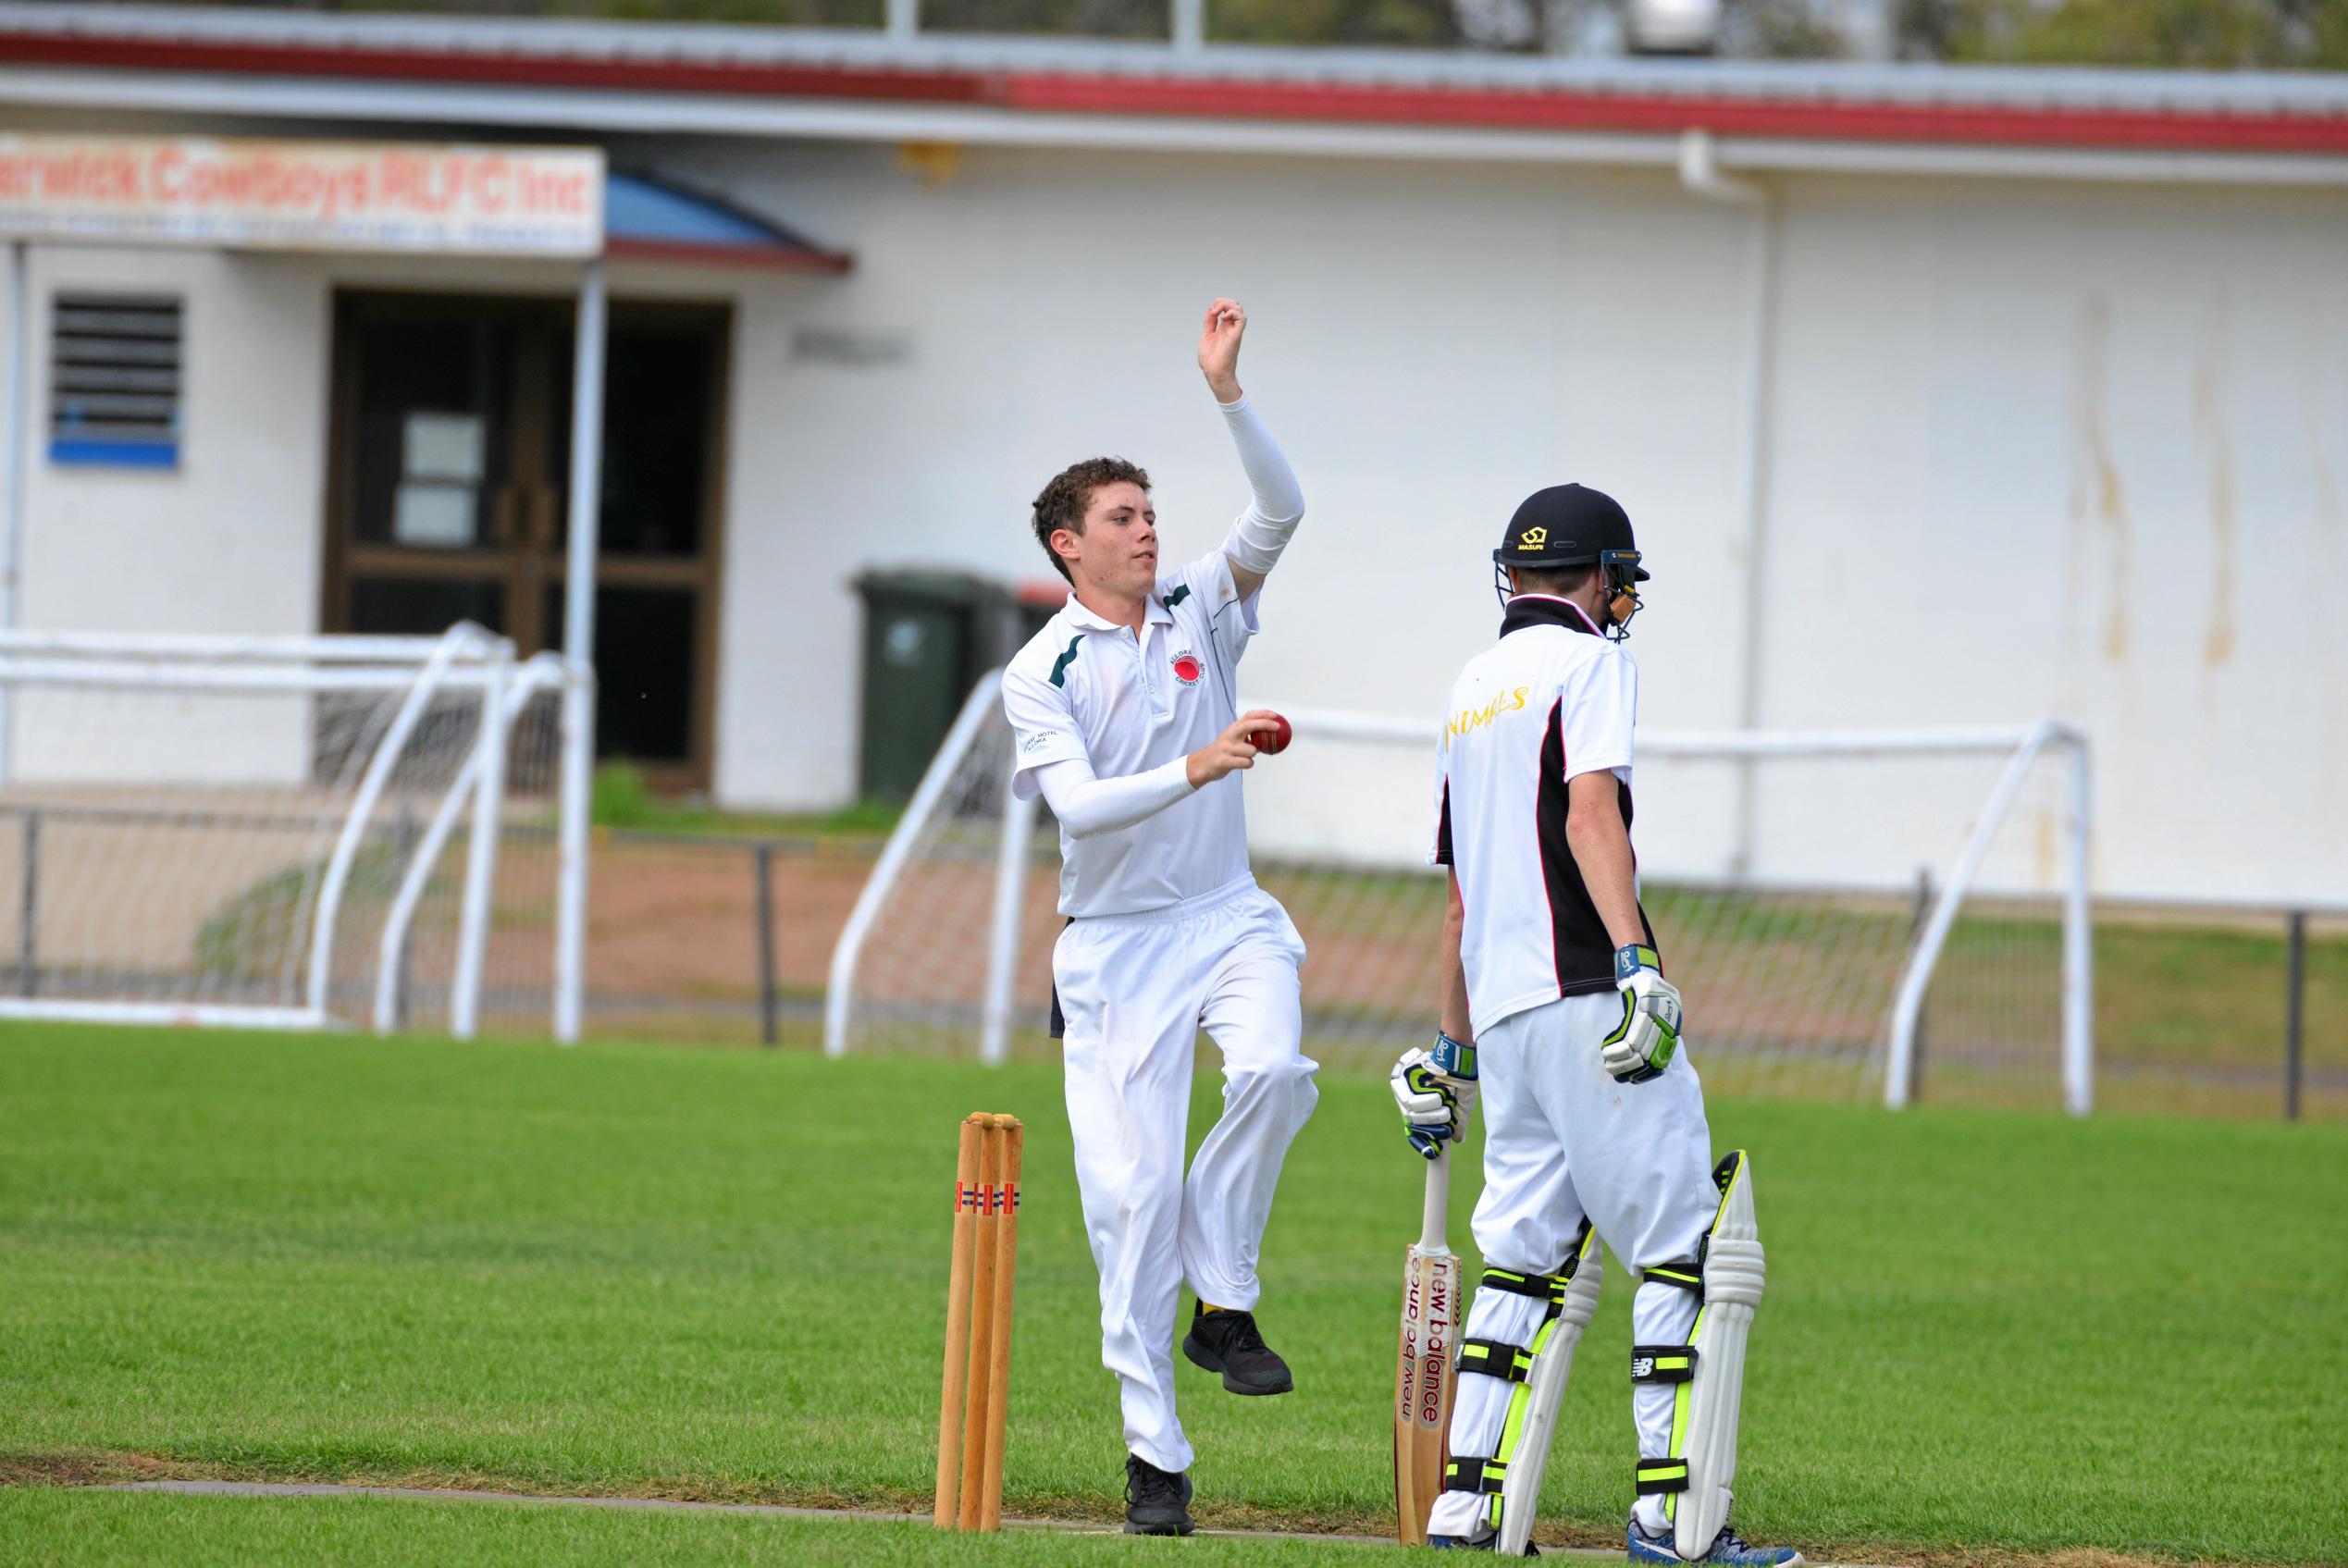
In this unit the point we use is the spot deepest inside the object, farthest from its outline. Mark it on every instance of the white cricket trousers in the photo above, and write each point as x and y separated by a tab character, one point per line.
1135	990
1562	1140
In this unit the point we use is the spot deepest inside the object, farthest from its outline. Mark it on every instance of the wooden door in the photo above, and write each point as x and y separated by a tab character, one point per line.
448	485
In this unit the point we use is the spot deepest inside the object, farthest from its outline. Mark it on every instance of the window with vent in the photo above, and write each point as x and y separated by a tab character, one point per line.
114	380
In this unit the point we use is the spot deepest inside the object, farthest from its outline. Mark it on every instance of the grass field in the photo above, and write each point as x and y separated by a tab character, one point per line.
634	1270
192	1532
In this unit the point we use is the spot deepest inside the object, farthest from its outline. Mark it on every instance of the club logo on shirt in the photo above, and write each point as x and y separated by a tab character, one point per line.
1472	719
1187	669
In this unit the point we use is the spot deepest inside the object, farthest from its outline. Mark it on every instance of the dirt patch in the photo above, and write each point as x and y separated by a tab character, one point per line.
679	922
85	1468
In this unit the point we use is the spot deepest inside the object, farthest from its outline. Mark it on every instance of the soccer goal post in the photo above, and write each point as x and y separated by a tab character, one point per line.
295	833
1888	914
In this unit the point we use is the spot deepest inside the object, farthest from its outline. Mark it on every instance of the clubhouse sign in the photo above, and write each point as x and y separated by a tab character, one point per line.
304	195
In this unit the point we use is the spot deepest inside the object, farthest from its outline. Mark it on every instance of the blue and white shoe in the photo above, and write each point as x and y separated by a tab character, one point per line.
1729	1551
1466	1543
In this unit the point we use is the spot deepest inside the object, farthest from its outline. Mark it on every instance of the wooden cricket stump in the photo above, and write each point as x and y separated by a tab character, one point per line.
971	1402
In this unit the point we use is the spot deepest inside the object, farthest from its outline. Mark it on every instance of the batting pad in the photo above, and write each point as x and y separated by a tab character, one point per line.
1544	1393
1704	1423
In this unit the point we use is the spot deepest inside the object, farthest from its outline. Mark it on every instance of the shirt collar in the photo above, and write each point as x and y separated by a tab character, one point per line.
1546	609
1083	618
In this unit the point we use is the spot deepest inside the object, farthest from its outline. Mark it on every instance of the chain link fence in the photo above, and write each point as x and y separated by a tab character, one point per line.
2200	1009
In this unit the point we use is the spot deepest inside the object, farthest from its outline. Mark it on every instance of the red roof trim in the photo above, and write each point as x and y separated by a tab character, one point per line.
509	70
1489	108
764	258
1486	108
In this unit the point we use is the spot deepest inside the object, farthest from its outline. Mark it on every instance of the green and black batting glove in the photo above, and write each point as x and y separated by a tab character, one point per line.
1644	1042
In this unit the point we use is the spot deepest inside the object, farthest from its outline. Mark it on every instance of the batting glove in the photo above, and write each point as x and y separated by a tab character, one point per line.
1644	1042
1435	1089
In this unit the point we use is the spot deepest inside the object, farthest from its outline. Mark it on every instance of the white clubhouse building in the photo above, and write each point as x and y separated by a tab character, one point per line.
1938	396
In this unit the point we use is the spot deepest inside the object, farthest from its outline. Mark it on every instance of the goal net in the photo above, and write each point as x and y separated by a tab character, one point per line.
291	833
1897	915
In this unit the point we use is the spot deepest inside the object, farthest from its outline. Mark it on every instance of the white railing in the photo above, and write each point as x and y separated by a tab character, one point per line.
2022	748
2020	745
1005	926
483	784
465	659
338	648
850	953
462	639
2078	1008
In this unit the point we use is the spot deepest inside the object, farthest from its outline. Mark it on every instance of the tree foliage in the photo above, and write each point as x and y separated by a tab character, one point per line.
2216	35
1426	24
2211	34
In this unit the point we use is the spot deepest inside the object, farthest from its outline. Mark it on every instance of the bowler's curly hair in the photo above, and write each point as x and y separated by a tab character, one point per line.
1062	501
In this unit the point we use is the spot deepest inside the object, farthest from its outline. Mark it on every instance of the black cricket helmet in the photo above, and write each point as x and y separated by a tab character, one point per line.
1574	526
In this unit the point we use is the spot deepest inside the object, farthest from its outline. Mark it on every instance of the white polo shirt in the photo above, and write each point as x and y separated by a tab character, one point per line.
1084	687
1552	700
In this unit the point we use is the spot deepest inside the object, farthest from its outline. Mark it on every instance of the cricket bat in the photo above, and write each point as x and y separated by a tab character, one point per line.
1423	1362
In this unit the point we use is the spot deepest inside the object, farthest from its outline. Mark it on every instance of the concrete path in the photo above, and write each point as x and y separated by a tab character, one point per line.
435	1494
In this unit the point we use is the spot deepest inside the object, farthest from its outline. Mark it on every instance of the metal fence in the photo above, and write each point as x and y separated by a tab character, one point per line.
2202	1008
2226	1007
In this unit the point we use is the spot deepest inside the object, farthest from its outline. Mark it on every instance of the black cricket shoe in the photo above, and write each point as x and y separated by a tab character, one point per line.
1228	1343
1156	1501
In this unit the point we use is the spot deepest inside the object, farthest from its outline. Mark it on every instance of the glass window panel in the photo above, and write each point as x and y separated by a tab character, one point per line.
434	407
659	417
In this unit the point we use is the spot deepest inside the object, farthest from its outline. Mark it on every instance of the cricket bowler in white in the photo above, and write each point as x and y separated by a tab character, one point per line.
1556	1014
1125	713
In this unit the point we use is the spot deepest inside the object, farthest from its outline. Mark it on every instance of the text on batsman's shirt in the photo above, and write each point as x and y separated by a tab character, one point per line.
1554	699
1087	688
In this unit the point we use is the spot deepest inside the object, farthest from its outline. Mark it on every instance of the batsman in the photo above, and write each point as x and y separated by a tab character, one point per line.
1556	1013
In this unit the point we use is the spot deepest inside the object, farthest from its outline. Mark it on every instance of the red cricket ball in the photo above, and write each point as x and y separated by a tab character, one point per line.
1274	740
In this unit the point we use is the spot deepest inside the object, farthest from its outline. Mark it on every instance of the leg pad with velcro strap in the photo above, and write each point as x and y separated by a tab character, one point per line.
1494	1358
1696	1477
1550	1288
1485	1476
1659	1475
1687	1274
1532	1409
